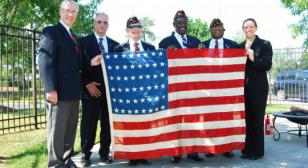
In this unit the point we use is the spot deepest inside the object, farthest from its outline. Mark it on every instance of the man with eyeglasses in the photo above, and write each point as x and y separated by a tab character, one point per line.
94	101
135	44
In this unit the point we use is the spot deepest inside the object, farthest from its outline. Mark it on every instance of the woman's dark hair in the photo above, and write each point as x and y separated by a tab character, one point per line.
249	19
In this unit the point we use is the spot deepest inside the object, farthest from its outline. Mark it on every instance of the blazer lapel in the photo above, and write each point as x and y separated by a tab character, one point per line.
68	37
175	42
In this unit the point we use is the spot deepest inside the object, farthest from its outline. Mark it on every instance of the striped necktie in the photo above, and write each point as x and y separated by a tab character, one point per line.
75	42
100	44
136	45
184	39
216	44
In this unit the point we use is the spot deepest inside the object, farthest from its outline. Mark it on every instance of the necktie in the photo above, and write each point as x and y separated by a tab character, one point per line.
136	47
216	44
100	45
75	42
184	41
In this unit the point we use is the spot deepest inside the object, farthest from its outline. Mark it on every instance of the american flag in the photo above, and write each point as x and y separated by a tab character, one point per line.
166	103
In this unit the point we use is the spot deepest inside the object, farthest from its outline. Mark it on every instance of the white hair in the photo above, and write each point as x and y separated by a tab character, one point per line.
100	14
65	2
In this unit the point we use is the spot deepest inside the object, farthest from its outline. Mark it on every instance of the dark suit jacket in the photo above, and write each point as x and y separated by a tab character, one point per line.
90	49
59	63
227	43
255	72
126	48
192	42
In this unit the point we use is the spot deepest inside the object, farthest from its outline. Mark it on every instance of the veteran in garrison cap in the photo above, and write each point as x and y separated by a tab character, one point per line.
217	40
179	38
134	31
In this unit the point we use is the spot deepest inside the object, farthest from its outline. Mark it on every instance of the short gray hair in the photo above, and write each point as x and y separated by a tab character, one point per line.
65	2
100	14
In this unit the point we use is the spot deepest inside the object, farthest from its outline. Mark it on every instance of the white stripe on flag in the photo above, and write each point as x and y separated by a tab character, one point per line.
205	77
205	61
205	93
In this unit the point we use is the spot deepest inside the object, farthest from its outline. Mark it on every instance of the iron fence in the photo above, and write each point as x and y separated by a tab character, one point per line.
21	90
22	95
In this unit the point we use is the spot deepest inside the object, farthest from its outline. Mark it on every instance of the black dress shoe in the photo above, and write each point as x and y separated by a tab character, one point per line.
132	163
144	161
70	164
106	159
209	155
245	156
85	162
176	159
195	158
228	155
254	157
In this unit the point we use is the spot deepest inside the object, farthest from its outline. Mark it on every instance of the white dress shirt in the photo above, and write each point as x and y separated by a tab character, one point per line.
132	45
66	27
179	38
105	44
220	43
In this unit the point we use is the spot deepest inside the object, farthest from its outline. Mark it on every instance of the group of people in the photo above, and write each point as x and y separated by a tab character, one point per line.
69	68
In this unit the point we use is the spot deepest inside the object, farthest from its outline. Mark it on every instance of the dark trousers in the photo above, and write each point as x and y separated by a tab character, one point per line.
92	111
255	104
62	120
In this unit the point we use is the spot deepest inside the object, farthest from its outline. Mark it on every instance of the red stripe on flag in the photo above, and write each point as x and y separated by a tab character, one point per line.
151	154
193	118
179	70
209	53
206	101
187	134
205	85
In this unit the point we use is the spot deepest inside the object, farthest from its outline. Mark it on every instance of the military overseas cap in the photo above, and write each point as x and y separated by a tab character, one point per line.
180	14
216	22
133	22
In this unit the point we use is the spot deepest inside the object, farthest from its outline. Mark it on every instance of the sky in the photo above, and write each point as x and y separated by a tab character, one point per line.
272	18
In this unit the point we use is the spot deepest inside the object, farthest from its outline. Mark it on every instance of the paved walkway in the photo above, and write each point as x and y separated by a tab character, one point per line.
289	152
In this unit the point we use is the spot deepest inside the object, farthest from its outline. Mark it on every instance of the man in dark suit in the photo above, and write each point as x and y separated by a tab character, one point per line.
218	42
94	101
60	70
135	44
180	39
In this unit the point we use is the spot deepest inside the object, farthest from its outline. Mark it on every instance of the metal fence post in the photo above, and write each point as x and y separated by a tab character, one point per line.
34	78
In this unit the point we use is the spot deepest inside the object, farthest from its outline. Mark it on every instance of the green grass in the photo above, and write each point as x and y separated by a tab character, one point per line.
272	108
28	149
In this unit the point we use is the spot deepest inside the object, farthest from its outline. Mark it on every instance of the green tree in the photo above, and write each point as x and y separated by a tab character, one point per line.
299	8
147	23
198	28
36	14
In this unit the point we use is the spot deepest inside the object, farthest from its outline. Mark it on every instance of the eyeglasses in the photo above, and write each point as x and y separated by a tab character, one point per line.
102	22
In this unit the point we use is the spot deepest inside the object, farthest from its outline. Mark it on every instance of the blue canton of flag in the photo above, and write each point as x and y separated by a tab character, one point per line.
138	81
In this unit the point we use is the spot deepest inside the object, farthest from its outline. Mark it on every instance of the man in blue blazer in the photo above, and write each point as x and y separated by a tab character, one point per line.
94	101
181	40
217	40
59	64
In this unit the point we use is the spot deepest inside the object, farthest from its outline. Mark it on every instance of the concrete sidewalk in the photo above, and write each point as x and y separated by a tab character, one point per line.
289	152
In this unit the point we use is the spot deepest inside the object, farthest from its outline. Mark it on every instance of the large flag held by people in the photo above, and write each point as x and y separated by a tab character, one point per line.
167	103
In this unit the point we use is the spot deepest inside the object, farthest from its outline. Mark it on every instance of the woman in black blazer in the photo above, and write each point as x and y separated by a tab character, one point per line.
259	60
